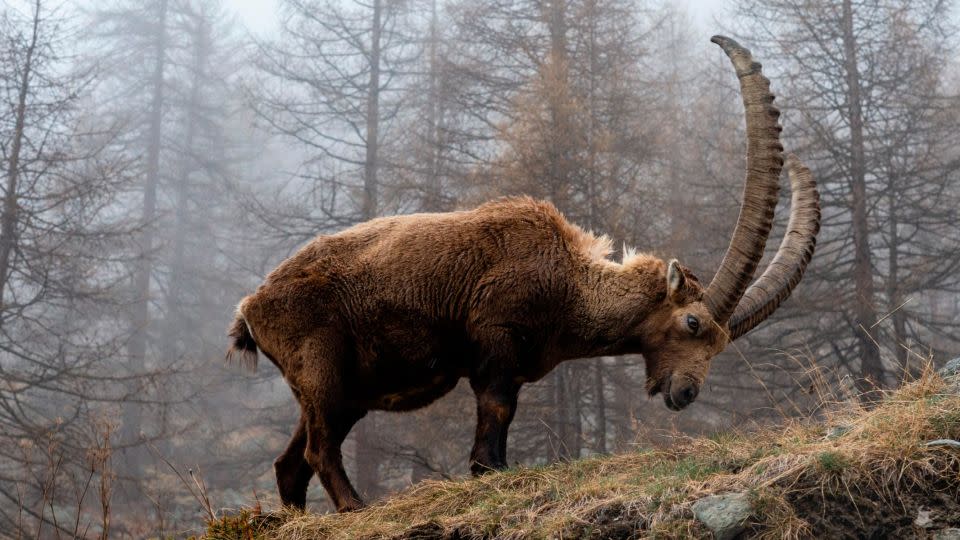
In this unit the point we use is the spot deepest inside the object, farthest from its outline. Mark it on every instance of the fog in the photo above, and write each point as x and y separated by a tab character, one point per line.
160	157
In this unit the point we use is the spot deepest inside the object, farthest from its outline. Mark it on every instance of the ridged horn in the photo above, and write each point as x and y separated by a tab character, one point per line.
787	267
763	164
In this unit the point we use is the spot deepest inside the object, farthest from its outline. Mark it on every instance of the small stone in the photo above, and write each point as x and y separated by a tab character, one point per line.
951	368
725	515
947	534
950	443
837	431
923	519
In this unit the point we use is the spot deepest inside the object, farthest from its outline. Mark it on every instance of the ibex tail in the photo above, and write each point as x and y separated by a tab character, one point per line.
244	348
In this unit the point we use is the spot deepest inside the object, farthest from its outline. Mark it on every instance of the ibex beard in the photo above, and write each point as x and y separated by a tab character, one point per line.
392	313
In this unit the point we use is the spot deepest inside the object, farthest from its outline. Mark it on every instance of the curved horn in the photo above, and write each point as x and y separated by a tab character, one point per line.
787	267
764	162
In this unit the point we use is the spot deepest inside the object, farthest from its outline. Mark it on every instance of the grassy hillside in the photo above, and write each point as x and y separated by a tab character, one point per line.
863	473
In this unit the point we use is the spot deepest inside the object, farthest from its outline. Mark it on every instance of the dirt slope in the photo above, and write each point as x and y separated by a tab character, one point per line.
861	474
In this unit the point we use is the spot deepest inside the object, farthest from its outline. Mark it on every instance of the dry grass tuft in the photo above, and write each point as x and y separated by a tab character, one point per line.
870	477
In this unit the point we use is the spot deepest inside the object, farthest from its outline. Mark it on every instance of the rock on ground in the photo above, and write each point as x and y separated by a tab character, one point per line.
726	515
951	368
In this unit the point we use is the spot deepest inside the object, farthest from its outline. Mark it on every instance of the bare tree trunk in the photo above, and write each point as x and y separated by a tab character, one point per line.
624	425
560	417
871	369
141	316
174	316
893	282
559	186
574	414
370	165
594	192
558	66
8	222
432	202
599	408
367	455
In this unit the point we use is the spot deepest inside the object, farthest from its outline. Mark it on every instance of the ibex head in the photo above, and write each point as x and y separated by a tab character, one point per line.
693	324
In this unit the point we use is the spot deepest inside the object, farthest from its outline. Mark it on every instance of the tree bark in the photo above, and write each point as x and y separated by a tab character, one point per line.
599	408
370	166
557	67
174	323
151	181
871	368
560	409
434	196
11	205
137	347
574	413
894	296
367	456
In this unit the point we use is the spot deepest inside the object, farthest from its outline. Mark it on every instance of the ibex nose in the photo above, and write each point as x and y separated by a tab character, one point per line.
682	393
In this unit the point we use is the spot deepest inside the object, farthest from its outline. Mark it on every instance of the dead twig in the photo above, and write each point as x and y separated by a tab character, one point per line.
200	493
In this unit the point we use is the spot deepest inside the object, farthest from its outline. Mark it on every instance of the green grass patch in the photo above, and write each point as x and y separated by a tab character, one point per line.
832	462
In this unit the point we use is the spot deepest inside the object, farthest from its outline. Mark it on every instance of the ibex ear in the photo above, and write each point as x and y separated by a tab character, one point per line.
675	278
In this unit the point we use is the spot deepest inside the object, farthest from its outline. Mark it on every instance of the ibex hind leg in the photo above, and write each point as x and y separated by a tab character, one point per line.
325	434
292	470
328	415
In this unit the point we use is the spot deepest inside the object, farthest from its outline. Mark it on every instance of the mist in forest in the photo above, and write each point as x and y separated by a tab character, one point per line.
160	157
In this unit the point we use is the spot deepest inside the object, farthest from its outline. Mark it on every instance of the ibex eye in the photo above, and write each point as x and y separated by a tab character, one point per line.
693	324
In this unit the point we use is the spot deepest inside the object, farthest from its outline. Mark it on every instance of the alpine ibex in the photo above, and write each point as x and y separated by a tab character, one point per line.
391	313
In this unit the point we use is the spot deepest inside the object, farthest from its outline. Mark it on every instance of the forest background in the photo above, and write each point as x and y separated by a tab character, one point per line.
159	157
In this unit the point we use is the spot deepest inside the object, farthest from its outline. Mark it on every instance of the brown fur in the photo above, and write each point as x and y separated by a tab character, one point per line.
391	313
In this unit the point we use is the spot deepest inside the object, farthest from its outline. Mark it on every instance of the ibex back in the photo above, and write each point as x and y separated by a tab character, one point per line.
390	314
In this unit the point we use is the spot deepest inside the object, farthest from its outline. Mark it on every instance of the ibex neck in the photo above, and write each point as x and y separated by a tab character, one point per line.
615	300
